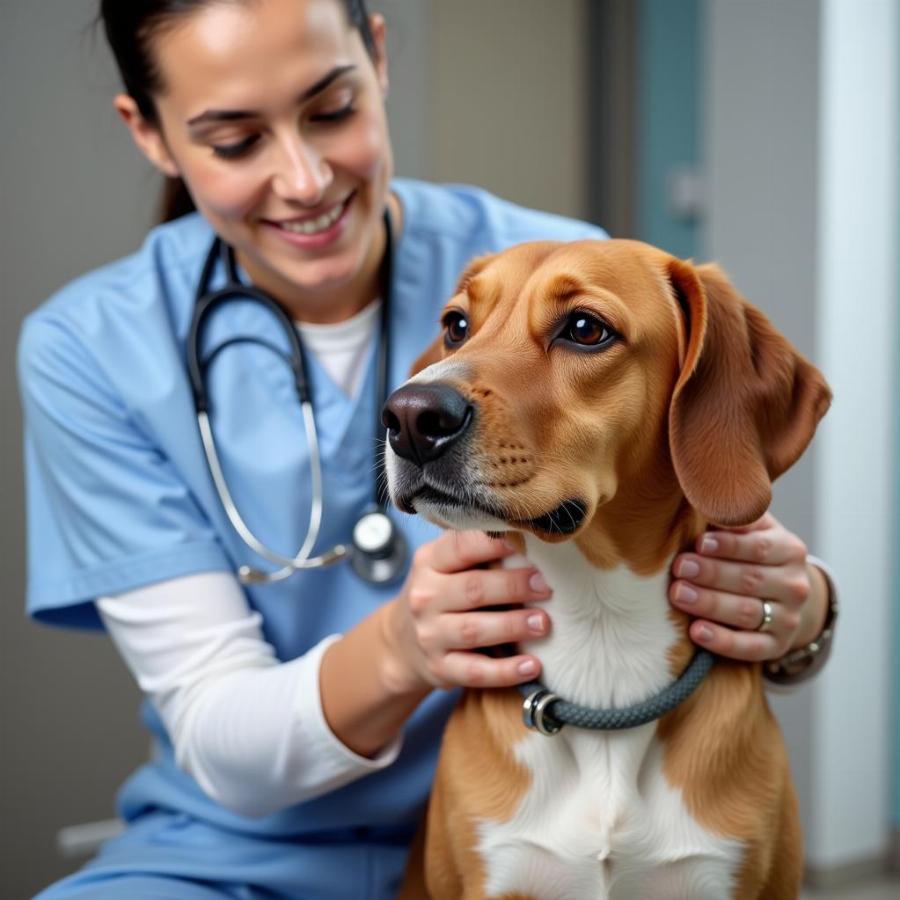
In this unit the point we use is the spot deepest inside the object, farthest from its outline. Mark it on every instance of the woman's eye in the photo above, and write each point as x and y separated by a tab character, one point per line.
456	328
337	115
587	330
232	151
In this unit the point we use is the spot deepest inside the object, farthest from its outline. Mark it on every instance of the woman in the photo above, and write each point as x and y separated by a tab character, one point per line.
296	722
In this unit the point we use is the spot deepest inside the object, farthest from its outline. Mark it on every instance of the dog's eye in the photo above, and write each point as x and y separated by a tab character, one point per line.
456	327
587	330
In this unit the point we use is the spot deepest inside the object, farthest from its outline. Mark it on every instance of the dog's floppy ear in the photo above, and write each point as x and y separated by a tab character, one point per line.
434	352
746	403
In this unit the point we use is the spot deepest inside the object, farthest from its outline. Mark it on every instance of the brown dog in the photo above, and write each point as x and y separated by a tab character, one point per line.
606	401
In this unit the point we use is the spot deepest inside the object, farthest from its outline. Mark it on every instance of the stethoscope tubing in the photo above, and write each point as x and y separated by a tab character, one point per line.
302	559
206	302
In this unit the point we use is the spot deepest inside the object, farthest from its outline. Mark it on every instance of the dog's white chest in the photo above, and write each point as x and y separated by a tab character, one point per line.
599	819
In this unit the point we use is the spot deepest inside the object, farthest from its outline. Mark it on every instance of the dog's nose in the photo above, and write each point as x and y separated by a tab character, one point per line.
423	420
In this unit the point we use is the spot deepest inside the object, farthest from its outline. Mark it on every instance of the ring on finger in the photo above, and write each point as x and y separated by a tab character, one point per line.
768	609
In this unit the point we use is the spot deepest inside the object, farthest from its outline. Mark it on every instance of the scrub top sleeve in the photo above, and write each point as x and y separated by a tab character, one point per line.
107	511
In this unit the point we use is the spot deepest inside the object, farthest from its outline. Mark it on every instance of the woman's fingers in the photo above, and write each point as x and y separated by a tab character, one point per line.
767	546
467	631
733	610
752	646
452	607
464	624
479	671
474	589
456	551
784	582
726	614
489	587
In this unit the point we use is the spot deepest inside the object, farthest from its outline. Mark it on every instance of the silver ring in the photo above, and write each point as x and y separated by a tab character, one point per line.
767	617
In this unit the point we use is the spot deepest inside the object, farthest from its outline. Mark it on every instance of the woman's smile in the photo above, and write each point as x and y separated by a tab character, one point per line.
315	230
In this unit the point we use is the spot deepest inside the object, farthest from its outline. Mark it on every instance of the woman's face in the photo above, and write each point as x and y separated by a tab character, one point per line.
273	113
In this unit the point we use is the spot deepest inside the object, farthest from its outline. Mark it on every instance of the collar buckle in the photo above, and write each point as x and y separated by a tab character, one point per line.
533	712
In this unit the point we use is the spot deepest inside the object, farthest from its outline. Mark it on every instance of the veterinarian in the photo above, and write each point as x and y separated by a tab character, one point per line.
290	692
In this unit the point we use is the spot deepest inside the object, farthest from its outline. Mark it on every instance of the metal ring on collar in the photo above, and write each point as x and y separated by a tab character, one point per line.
767	617
533	709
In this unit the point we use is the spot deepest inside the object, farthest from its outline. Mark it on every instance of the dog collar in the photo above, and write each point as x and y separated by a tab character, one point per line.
546	712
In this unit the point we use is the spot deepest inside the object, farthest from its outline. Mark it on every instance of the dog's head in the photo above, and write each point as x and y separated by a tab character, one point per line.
574	378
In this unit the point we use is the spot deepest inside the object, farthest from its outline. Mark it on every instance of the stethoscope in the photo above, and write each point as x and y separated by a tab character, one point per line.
377	550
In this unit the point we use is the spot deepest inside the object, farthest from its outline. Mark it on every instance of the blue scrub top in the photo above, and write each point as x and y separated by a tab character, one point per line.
119	494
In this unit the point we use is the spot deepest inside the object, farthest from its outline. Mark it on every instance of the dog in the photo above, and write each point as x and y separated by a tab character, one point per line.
604	401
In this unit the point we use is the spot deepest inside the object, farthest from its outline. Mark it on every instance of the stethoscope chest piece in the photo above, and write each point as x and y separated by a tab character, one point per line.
379	548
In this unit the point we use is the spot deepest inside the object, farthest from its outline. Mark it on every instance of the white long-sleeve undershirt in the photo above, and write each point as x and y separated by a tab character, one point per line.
248	728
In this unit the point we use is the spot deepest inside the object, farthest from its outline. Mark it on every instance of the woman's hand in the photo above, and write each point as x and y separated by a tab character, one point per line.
438	621
725	582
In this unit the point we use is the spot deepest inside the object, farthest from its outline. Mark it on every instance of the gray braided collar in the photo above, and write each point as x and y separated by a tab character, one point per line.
545	712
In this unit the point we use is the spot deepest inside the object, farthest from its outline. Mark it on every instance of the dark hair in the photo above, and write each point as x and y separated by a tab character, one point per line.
129	27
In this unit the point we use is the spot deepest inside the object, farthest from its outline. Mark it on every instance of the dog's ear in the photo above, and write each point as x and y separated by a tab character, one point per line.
745	405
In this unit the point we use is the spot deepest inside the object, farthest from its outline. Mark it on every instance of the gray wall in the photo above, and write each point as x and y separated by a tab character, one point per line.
508	96
77	194
74	195
761	138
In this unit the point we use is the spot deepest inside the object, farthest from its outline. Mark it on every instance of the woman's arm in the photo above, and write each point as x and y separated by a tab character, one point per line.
259	735
247	727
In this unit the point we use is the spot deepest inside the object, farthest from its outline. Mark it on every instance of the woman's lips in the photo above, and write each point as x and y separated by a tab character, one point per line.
314	231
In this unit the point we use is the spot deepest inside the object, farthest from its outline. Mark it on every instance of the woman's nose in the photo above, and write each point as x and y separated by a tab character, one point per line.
302	175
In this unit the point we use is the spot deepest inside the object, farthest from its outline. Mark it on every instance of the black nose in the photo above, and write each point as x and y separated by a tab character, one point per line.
423	420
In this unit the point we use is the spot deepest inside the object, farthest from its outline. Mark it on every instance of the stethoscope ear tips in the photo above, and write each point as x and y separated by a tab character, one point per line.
379	548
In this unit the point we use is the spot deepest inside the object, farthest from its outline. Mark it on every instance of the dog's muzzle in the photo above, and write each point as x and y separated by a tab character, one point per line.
425	420
431	428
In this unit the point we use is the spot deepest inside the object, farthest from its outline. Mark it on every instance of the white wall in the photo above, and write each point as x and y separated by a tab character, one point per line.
857	241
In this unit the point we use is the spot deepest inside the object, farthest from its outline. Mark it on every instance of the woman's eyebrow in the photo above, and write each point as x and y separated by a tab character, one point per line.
230	115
